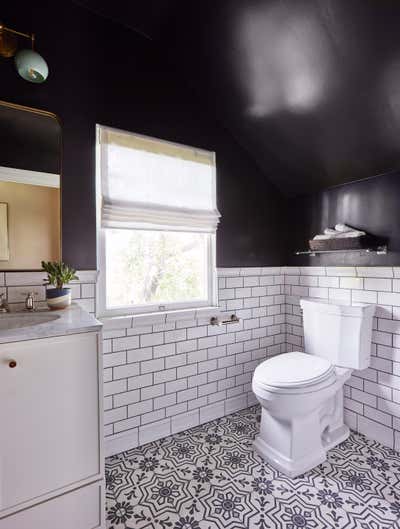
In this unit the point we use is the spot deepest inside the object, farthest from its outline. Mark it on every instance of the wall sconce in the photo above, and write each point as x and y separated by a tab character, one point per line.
29	64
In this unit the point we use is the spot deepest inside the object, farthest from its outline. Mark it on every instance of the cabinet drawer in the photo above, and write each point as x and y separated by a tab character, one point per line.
49	417
79	509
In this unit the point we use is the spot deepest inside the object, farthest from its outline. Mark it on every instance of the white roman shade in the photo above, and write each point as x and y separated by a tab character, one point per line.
154	184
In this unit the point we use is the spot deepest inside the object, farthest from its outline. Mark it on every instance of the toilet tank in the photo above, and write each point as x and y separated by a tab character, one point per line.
340	333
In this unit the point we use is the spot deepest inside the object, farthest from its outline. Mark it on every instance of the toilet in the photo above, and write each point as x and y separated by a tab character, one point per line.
301	394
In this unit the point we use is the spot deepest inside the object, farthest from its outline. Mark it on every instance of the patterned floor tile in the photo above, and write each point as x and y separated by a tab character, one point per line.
209	477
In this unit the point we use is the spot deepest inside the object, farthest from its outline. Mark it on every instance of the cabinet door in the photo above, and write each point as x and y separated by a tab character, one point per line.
49	416
78	509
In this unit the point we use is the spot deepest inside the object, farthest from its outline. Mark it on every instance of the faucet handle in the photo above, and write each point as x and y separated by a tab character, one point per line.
30	294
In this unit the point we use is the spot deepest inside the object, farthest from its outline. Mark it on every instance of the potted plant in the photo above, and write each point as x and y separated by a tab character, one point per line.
58	275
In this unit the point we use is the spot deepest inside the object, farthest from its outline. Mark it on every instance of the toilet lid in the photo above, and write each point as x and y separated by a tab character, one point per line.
293	369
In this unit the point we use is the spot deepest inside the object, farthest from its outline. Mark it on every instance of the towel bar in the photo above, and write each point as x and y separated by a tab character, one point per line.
379	250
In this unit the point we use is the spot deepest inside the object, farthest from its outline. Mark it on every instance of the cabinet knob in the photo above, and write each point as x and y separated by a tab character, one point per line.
12	363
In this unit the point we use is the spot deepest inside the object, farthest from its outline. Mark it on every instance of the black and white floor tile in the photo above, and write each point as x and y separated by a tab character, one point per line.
209	477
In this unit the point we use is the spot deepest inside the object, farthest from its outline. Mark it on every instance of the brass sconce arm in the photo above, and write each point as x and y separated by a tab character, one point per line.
10	30
8	42
30	65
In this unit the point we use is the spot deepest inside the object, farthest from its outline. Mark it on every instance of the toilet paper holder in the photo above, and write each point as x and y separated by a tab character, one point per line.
216	321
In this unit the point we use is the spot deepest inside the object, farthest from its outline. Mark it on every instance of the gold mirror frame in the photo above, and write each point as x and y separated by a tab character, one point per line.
47	114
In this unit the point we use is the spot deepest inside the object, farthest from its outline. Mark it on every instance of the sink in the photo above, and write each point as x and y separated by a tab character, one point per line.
17	320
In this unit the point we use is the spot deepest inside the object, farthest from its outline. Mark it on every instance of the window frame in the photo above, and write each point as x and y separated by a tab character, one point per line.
136	310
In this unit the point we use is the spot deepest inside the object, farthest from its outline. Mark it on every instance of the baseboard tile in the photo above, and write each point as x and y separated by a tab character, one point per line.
115	444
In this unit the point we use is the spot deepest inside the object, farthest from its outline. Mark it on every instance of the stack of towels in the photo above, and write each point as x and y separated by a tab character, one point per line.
340	231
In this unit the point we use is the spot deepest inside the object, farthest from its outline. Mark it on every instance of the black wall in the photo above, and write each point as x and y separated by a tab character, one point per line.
101	72
372	205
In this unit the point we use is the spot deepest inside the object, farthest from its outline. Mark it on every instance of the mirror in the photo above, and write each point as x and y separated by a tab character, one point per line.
30	187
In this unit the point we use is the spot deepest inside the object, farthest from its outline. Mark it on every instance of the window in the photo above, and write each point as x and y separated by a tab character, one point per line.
157	219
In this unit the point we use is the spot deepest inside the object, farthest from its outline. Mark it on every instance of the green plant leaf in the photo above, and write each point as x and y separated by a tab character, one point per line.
58	273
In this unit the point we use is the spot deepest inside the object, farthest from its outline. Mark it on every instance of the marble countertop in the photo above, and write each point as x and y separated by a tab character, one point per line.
73	320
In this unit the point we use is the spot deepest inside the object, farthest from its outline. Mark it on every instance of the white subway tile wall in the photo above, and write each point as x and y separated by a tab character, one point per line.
372	396
16	286
165	374
170	374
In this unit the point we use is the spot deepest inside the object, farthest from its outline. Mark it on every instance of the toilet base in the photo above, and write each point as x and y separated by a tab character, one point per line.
298	466
289	467
332	439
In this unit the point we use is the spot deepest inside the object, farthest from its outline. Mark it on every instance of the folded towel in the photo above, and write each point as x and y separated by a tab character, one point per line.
333	234
343	228
350	234
330	231
323	237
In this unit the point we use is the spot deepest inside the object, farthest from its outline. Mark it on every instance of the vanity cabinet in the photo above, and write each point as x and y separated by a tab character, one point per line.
51	458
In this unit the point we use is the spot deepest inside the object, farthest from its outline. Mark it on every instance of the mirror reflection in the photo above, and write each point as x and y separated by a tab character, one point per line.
30	187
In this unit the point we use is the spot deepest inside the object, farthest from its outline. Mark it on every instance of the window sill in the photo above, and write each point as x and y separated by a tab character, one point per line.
201	315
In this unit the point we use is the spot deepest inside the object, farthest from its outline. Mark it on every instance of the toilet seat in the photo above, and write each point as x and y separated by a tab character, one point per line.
294	372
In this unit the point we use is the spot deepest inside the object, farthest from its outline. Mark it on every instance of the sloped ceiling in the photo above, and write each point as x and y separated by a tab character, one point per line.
310	88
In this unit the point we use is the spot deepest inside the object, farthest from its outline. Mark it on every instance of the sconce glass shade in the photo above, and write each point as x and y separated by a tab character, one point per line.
31	66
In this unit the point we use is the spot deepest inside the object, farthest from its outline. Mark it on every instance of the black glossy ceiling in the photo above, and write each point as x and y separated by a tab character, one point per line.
310	88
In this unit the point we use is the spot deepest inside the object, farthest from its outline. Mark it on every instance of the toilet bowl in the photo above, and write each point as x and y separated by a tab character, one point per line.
301	394
302	413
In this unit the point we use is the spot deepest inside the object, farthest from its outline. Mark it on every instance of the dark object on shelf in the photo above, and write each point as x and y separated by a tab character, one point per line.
364	244
348	243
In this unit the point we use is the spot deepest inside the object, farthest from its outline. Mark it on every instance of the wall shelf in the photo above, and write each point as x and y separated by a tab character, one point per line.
378	250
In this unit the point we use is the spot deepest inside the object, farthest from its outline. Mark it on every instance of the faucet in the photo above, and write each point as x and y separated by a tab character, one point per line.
3	304
30	301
